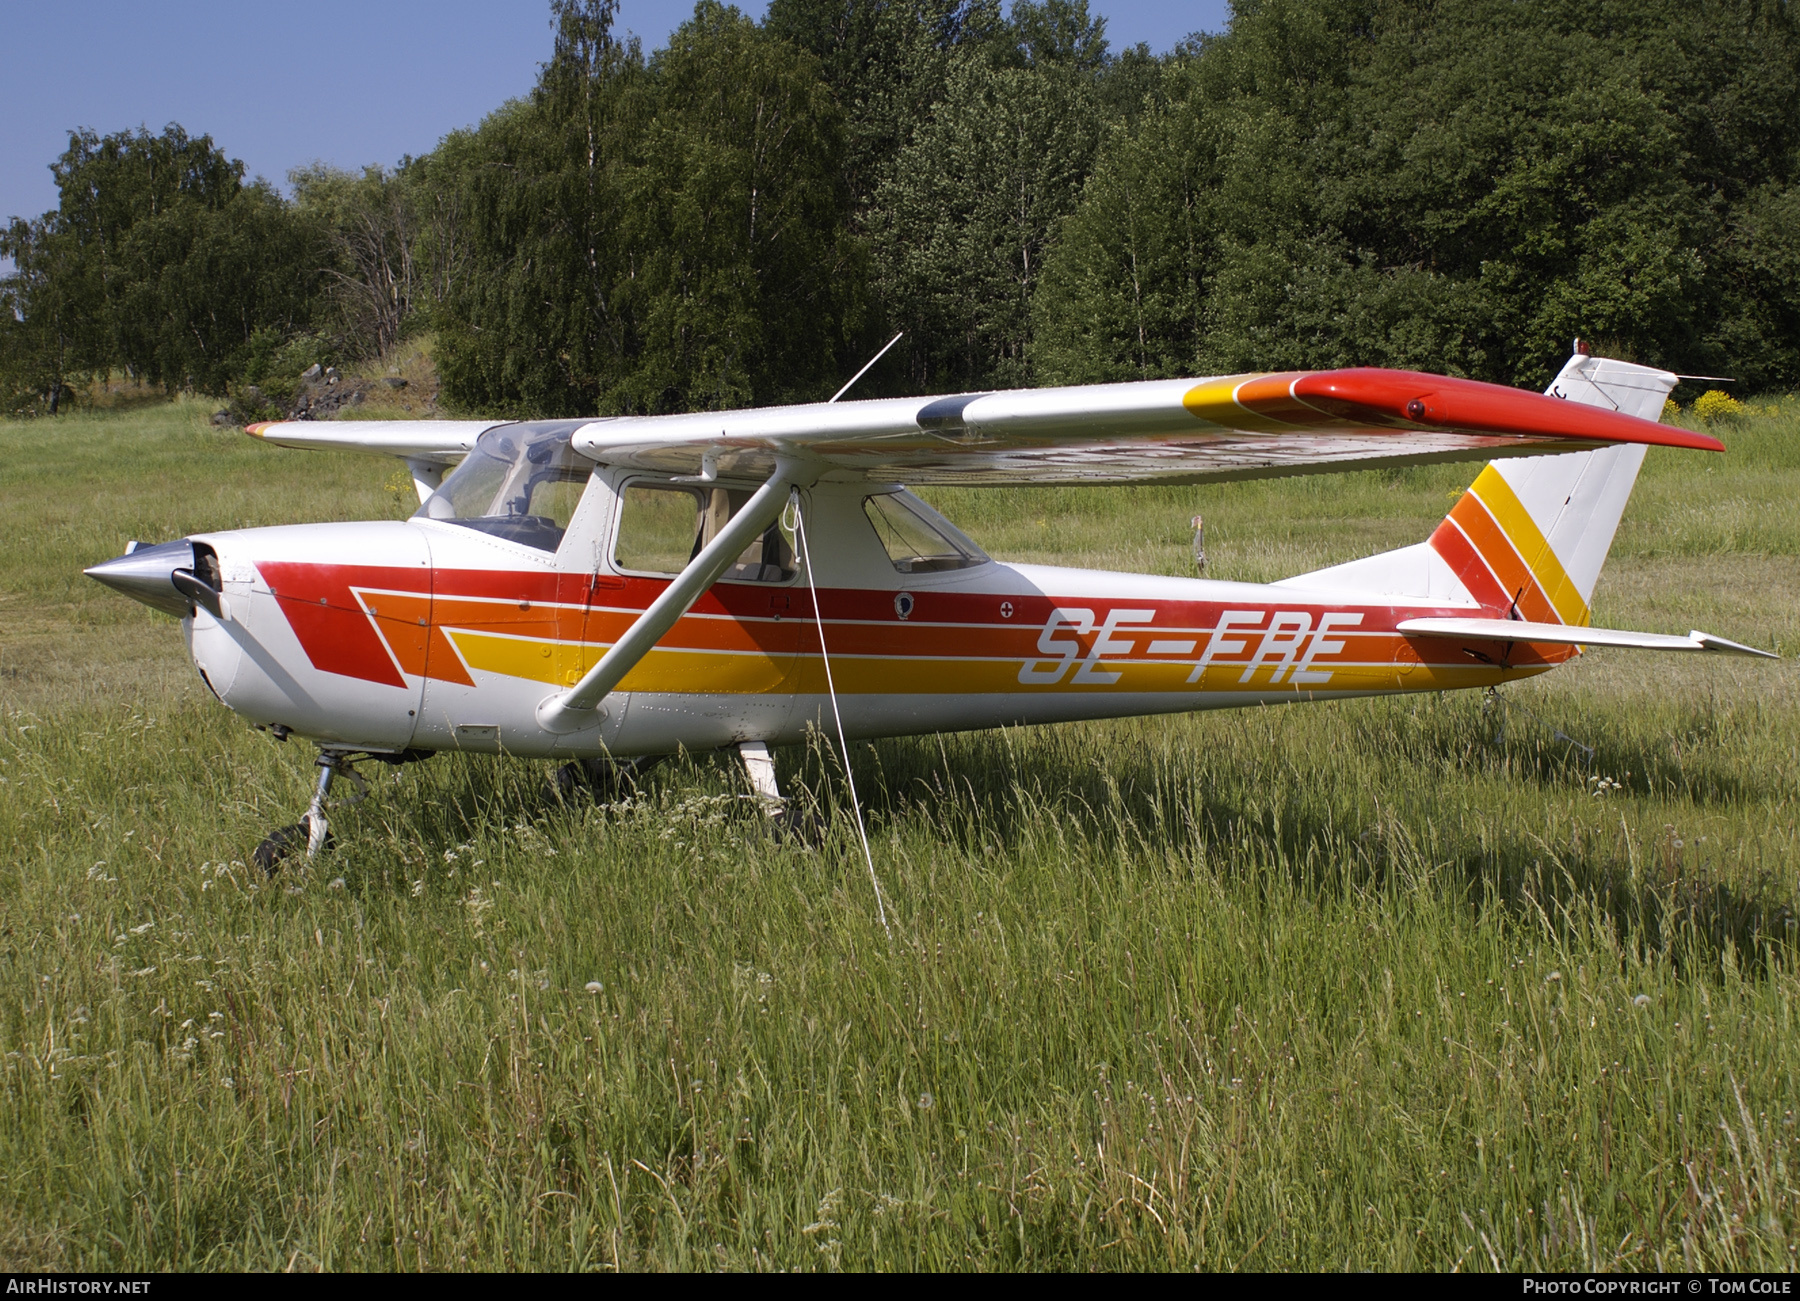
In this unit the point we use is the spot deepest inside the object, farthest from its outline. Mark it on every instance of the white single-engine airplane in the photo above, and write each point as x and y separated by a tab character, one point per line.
609	591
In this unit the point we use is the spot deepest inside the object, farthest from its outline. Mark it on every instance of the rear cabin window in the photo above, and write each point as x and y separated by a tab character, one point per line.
916	542
662	527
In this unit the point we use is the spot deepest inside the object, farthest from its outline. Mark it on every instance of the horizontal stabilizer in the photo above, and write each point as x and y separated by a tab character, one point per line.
1570	635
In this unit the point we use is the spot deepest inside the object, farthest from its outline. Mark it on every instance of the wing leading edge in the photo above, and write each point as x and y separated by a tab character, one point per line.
440	442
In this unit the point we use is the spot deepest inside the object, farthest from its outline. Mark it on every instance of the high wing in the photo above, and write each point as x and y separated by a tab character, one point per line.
437	442
1169	431
429	447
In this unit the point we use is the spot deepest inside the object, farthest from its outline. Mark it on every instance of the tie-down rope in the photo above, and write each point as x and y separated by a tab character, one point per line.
795	523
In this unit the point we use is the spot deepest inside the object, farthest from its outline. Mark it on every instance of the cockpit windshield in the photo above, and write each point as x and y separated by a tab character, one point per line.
521	483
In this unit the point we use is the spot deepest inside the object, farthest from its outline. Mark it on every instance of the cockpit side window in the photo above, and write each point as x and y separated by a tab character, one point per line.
519	484
663	526
918	540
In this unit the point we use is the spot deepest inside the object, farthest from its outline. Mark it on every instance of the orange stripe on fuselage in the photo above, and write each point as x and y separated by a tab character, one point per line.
403	620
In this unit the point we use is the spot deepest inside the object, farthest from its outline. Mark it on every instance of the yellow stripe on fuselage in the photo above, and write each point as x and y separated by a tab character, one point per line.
540	660
711	672
1531	544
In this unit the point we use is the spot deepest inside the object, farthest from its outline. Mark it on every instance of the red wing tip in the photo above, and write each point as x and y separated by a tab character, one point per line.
1403	398
256	430
1698	442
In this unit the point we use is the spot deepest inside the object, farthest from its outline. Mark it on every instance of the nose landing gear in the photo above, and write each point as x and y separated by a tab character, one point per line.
312	831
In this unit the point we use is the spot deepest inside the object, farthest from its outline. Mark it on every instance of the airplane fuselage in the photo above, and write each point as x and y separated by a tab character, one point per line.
427	635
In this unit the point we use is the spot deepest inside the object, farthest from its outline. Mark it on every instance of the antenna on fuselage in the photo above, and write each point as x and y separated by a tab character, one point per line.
865	370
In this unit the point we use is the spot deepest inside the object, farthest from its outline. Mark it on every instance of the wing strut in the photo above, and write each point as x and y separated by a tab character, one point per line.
578	707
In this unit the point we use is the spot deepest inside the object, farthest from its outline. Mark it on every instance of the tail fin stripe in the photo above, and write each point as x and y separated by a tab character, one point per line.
1502	558
1470	569
1530	544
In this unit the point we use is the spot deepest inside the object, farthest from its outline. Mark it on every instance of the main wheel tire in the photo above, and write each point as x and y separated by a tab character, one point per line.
599	779
282	844
799	824
565	783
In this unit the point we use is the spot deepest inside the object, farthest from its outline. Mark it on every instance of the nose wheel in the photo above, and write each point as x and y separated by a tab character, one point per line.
313	832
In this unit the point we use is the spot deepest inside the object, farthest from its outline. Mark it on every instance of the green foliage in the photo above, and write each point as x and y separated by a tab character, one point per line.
158	261
376	281
887	62
750	285
962	224
1123	296
40	319
200	283
1449	185
271	358
1457	186
685	223
1060	34
536	319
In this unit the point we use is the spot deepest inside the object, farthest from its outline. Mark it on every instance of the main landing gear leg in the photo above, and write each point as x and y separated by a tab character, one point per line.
784	817
317	829
759	765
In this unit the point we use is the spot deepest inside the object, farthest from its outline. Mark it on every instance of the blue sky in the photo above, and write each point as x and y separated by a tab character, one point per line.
280	84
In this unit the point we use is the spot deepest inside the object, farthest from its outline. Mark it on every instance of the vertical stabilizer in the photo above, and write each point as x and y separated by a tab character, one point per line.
1528	539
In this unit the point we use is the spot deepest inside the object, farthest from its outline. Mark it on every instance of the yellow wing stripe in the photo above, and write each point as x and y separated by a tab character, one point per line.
1533	547
1216	402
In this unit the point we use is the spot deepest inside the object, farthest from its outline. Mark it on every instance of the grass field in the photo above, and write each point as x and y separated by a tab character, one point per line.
1392	984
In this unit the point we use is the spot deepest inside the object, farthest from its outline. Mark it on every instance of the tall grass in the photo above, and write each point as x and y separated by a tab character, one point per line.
1390	984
